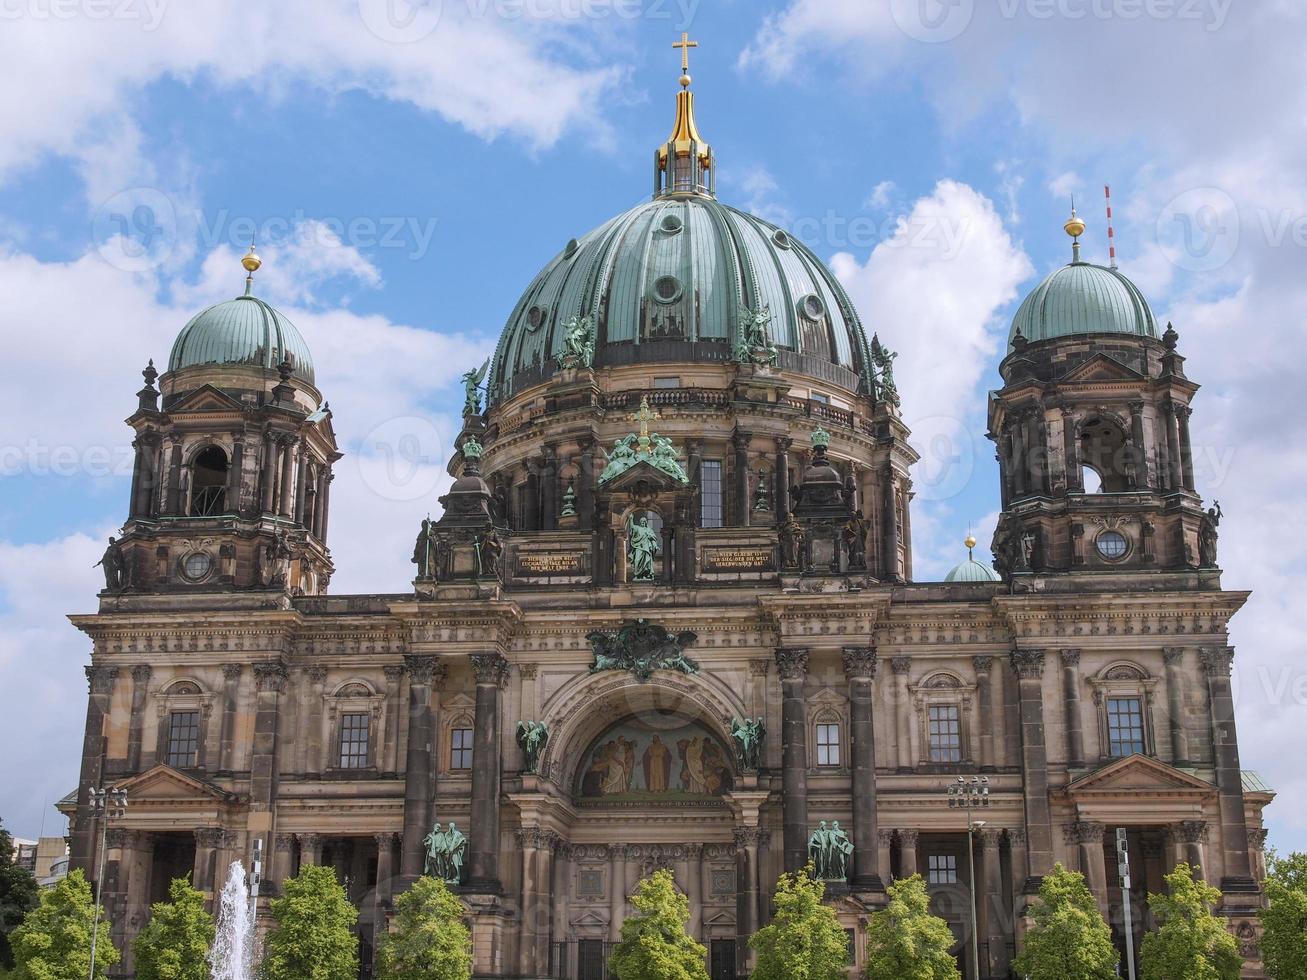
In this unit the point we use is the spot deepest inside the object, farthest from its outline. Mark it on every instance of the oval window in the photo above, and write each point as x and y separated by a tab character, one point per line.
812	307
671	224
196	565
667	289
534	318
1112	545
781	239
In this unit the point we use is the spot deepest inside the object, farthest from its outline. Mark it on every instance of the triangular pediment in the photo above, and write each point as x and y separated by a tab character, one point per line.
719	917
642	476
1139	774
1100	367
590	918
164	784
206	399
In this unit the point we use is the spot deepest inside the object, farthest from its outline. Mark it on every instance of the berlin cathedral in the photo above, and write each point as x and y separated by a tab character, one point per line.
667	618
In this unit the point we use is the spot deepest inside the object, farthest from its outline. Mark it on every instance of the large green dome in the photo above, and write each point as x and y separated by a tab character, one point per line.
667	281
245	330
1082	299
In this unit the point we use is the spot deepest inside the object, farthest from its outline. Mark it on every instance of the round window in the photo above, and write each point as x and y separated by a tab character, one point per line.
812	307
570	249
671	224
781	239
196	565
667	289
534	317
1112	545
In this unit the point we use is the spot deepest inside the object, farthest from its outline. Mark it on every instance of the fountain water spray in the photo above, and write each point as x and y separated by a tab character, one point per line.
232	955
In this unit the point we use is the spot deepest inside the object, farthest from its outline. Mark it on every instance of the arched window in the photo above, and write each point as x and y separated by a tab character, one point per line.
1105	457
1123	695
209	483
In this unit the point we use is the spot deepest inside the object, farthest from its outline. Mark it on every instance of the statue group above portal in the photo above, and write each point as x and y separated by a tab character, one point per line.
446	853
644	447
829	850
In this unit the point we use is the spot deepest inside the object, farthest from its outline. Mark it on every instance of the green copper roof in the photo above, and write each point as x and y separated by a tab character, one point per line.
1082	299
244	330
972	571
681	268
1253	783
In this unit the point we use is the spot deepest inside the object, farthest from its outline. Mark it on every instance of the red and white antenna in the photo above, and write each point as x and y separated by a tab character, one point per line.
1111	232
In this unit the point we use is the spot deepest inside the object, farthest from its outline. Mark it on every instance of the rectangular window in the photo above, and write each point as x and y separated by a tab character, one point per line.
828	745
1125	726
667	382
942	869
710	493
945	733
354	741
183	739
460	755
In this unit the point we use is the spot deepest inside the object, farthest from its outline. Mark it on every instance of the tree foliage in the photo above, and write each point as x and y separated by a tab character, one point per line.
54	941
1069	939
906	942
175	944
1190	942
804	940
18	896
655	945
1284	920
312	937
428	940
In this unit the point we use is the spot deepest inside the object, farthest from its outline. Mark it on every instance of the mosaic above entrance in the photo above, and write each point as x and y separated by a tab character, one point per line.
636	761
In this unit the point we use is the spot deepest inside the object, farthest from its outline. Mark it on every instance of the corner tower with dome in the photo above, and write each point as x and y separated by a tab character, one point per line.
666	618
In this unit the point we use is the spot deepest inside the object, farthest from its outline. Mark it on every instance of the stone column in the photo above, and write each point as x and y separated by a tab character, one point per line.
231	679
694	886
136	724
207	842
907	853
283	857
740	440
529	842
792	663
1020	464
1017	846
993	912
270	682
860	669
1087	836
385	892
271	451
549	490
1186	448
1173	657
286	504
902	712
984	702
310	849
746	889
419	762
1229	779
101	681
1172	446
1138	448
783	444
1028	665
884	854
616	890
235	475
172	491
314	720
394	675
326	504
890	524
1037	448
302	485
585	479
1192	834
483	847
1075	478
1074	724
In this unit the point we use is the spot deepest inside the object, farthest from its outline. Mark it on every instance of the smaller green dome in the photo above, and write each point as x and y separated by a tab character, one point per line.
244	330
1082	299
972	571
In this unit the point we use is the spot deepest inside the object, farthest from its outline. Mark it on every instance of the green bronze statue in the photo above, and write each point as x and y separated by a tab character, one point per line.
748	734
446	853
642	548
829	851
532	736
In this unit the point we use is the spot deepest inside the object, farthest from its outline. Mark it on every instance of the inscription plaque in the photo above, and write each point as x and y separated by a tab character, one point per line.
550	563
737	560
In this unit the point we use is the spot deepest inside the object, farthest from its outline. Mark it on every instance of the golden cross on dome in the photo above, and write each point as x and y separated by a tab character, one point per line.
644	416
685	44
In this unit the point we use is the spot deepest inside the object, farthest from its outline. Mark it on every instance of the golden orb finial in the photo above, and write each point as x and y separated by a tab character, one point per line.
685	80
970	542
251	261
1075	225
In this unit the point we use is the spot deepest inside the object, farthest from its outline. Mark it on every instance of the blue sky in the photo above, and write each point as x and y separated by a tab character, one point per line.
408	170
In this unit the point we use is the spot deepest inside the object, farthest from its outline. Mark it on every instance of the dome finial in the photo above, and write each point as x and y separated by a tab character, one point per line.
970	542
684	164
250	263
1075	227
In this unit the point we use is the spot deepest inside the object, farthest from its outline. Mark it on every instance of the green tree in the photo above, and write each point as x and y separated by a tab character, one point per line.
18	896
428	940
312	935
804	940
655	945
1284	920
175	944
54	941
1190	943
906	942
1069	940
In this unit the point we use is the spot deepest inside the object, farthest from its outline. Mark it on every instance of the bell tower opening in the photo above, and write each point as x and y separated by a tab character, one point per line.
209	483
1105	457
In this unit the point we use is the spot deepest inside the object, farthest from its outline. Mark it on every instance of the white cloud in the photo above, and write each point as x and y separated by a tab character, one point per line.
881	194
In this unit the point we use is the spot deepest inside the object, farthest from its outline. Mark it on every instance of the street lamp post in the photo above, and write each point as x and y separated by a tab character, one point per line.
106	804
971	794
